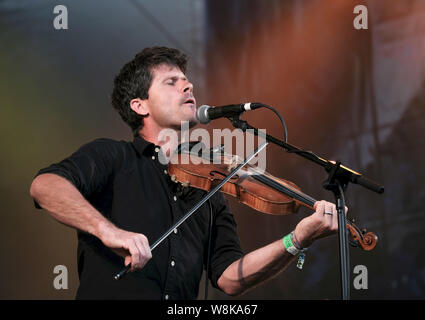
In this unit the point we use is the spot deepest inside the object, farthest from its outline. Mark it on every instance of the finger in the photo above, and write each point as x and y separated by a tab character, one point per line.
127	260
328	208
148	252
329	211
135	255
143	253
320	207
334	219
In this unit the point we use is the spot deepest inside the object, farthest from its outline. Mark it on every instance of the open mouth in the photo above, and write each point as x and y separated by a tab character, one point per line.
189	101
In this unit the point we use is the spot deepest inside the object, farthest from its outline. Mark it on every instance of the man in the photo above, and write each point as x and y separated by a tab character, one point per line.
120	199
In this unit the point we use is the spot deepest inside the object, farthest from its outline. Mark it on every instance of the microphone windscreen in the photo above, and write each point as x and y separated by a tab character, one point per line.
202	114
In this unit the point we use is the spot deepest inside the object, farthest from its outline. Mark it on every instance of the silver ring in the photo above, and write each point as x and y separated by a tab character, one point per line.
330	213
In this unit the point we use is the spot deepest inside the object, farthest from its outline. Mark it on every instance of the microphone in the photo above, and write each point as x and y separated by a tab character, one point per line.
205	113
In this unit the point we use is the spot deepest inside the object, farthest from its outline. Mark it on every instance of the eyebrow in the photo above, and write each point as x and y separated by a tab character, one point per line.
174	78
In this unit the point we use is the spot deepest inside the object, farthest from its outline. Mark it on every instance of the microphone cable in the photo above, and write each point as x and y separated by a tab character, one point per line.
285	138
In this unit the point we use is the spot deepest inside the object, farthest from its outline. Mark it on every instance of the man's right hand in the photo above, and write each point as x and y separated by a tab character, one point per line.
134	247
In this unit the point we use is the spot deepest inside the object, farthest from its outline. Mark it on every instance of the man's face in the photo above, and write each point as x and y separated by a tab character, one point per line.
171	98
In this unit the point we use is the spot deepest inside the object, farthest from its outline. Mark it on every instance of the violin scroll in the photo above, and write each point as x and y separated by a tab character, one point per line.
366	240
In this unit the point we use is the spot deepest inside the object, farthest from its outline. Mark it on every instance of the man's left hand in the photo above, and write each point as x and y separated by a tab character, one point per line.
322	223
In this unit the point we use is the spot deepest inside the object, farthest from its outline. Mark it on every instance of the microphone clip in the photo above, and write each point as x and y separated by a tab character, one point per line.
237	122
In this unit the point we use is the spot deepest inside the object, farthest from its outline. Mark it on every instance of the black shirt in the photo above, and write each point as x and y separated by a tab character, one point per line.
130	187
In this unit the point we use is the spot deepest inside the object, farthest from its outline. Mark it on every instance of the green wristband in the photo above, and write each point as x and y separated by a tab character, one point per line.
287	242
292	249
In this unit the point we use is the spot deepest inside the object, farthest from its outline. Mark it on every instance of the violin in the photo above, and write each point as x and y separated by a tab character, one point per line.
251	186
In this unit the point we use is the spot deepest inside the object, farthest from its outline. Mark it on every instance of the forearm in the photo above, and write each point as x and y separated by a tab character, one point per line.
264	263
67	205
255	268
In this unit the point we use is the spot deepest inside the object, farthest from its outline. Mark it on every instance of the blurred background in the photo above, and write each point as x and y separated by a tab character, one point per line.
347	94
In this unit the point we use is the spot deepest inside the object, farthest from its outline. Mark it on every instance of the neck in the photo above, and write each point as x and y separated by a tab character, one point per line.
168	139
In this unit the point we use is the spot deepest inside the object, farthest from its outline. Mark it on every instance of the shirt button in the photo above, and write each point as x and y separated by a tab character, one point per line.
166	297
153	157
156	149
165	171
175	198
175	231
173	263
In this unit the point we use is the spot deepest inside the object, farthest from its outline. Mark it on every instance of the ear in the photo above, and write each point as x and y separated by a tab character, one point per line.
139	106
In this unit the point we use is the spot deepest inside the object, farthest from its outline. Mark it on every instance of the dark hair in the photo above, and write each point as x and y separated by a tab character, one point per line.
134	81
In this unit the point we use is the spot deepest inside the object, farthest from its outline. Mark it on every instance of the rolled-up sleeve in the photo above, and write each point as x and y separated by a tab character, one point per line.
225	245
89	168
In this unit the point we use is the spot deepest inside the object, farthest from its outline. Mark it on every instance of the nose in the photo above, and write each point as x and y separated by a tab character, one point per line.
188	87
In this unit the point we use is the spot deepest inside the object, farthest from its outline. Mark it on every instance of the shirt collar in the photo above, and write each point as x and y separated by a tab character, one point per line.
142	145
145	147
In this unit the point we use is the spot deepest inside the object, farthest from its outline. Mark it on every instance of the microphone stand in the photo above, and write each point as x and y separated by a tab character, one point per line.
337	182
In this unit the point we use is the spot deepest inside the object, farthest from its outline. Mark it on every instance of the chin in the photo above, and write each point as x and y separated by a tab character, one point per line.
179	126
